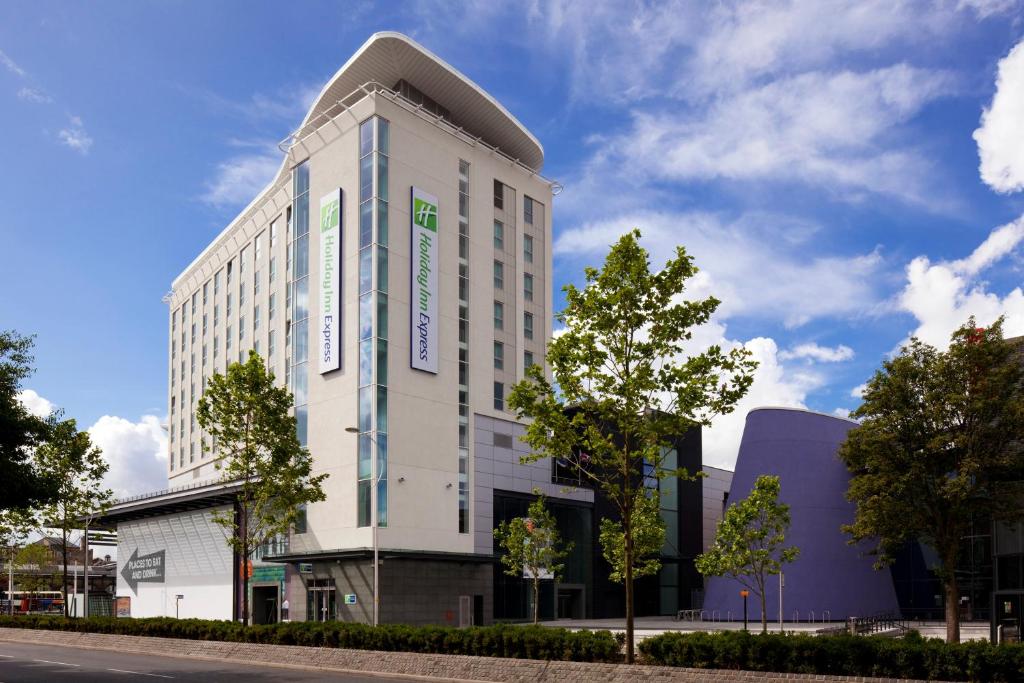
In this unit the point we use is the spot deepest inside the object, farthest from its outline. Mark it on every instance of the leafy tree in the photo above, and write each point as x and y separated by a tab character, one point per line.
624	388
533	547
78	468
256	444
32	564
749	542
15	526
939	442
20	430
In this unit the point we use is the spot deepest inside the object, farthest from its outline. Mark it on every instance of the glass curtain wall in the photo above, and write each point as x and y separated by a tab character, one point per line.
372	409
463	347
300	298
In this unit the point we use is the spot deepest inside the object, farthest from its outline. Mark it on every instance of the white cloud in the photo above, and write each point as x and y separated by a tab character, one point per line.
732	257
35	404
833	129
11	66
34	95
75	136
943	295
842	412
858	391
1000	142
136	452
239	179
822	354
988	8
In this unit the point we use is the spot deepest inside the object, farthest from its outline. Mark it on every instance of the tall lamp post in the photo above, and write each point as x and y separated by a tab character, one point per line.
375	478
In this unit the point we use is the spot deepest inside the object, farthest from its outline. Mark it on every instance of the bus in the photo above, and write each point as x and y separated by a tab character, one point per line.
33	602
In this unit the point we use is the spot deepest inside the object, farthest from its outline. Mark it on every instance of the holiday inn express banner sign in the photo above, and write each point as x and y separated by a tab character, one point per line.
329	329
423	276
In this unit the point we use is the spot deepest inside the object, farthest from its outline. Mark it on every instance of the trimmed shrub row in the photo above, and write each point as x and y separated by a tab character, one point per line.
524	642
909	657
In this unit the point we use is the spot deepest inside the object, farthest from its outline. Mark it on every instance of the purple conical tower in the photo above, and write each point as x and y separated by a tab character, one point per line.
830	577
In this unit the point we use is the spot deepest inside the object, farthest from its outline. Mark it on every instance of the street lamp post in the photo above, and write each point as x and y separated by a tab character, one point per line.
375	478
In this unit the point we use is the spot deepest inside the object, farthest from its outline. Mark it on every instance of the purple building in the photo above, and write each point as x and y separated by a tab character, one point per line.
830	577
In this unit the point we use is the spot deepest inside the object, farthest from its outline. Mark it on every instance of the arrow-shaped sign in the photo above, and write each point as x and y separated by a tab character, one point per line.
146	568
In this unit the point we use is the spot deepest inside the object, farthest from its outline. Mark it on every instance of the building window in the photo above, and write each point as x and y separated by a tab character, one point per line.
241	261
499	315
527	359
204	355
229	271
193	340
241	327
528	248
499	356
194	295
463	388
528	325
270	306
272	268
229	304
528	287
499	235
270	344
499	275
499	396
241	294
259	247
227	338
206	287
527	210
256	282
499	194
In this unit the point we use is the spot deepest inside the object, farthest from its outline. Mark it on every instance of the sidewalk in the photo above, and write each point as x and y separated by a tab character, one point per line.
406	664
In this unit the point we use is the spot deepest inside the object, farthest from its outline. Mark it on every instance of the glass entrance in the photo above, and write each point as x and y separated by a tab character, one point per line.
320	600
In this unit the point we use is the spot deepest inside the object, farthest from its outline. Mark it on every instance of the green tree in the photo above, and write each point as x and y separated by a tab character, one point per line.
749	542
533	547
625	387
20	430
256	446
78	467
15	526
938	443
35	571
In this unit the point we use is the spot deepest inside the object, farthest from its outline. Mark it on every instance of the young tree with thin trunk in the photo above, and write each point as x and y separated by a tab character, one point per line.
533	548
78	467
625	387
15	526
749	542
939	442
32	563
254	439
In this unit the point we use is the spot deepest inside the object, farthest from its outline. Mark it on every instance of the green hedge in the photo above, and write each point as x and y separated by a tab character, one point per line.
909	657
525	642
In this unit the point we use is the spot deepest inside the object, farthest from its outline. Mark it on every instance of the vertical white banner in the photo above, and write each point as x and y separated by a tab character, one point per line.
423	278
330	282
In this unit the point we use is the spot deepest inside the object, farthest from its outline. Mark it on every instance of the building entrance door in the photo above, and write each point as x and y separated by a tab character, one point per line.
1007	622
320	600
264	604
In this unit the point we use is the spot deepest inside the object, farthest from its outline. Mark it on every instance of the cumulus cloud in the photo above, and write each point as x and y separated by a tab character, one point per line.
858	391
821	354
732	255
35	404
75	136
239	179
988	8
942	295
1000	143
136	452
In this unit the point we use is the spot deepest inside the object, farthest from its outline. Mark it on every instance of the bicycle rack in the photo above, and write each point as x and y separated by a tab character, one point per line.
826	615
811	617
796	616
715	616
728	615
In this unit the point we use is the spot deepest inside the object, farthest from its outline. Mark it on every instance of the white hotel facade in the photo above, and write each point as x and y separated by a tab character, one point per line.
409	328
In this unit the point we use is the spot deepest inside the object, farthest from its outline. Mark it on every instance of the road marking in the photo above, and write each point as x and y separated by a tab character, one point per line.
139	673
47	661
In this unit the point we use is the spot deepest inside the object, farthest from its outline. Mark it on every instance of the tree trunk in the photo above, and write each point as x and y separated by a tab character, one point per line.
764	613
64	578
628	557
536	598
952	610
245	567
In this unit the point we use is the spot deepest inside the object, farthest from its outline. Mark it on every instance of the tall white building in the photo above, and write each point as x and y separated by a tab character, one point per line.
396	275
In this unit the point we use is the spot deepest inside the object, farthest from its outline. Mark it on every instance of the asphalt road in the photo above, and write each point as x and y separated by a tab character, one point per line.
21	663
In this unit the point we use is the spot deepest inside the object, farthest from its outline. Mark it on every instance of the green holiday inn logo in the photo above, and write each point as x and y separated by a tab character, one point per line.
329	216
424	214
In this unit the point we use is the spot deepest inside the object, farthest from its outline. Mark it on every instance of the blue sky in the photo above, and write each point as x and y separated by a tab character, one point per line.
819	160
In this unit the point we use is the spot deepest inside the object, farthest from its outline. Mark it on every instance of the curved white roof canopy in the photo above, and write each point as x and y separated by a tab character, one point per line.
389	57
386	58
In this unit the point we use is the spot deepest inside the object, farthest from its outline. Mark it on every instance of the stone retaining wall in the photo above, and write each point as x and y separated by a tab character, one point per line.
438	667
